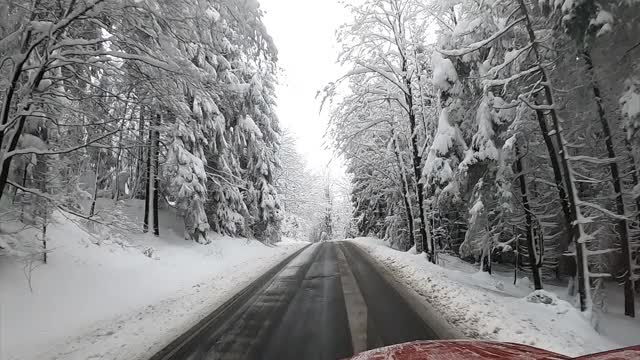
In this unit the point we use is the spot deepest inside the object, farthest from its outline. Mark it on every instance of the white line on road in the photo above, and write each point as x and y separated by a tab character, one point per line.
356	307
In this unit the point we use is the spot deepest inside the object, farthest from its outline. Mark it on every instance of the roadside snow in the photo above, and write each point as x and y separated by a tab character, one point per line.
100	296
612	324
288	241
484	307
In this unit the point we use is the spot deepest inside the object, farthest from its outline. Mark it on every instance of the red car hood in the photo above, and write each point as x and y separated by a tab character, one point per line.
473	349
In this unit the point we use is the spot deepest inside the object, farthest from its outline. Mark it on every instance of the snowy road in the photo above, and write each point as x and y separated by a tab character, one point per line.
328	302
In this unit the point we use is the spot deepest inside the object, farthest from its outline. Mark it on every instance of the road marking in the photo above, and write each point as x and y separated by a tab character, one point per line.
237	343
356	307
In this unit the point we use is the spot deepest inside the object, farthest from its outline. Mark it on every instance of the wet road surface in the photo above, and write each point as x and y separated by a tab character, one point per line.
326	302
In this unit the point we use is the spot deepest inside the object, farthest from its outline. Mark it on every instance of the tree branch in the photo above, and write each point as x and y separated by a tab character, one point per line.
32	150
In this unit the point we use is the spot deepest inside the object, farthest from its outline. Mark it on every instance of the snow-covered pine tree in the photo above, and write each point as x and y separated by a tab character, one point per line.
499	40
585	21
196	68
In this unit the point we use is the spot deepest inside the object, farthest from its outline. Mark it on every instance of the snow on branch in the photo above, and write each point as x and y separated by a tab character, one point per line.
10	123
591	159
382	72
33	150
151	61
506	81
601	252
599	275
600	209
510	57
477	45
53	200
444	73
538	107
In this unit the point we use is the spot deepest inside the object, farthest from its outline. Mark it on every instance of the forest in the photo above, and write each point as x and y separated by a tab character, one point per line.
168	102
495	131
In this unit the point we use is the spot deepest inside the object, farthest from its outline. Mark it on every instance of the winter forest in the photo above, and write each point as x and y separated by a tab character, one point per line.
501	132
497	131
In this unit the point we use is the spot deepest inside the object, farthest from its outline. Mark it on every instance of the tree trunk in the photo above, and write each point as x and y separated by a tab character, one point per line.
151	200
4	115
404	189
515	268
44	238
95	189
577	231
635	179
24	184
156	168
621	224
417	162
140	172
531	248
18	71
40	172
118	160
6	163
557	172
148	194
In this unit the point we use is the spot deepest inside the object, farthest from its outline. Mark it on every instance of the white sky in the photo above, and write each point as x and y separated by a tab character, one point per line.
304	33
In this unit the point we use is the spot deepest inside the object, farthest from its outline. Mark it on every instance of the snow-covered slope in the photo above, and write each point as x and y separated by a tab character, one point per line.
488	307
100	296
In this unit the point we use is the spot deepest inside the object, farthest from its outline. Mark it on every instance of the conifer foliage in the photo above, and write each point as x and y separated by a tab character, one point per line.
521	117
167	101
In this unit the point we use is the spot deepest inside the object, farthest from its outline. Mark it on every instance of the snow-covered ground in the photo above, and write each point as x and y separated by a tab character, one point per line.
491	307
100	296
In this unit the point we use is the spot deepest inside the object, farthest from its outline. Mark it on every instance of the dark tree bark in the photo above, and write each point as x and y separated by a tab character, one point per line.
621	224
417	162
116	195
531	248
151	199
148	195
140	170
555	165
517	260
425	234
635	178
6	163
6	107
95	189
24	184
404	189
18	70
156	155
575	228
41	171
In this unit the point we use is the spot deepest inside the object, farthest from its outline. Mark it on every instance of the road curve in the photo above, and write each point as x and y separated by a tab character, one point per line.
327	301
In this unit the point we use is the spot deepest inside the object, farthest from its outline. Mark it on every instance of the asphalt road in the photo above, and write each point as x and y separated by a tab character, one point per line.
325	302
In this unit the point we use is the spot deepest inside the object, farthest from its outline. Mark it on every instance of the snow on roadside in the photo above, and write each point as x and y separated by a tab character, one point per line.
288	241
612	324
541	319
108	300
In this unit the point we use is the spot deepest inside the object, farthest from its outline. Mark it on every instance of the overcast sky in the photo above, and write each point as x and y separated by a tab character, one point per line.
304	33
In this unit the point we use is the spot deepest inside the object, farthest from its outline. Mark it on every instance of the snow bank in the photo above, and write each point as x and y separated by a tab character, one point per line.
484	308
287	240
100	296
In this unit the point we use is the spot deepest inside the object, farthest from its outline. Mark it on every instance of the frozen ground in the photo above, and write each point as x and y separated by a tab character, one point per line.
491	307
101	297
